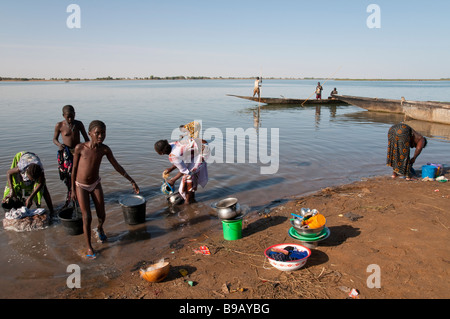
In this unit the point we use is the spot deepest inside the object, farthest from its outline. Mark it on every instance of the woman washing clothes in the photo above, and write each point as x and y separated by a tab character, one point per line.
26	176
189	156
401	138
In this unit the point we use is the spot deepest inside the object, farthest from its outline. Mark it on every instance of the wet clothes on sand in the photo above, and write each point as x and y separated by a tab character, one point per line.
399	145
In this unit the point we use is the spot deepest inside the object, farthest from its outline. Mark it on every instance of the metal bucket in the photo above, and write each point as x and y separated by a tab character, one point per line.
133	208
175	199
73	223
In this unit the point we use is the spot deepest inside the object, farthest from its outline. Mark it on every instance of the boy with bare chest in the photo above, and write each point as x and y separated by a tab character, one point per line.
70	131
86	180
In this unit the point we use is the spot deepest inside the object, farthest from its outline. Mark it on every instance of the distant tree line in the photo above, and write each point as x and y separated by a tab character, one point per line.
20	79
182	77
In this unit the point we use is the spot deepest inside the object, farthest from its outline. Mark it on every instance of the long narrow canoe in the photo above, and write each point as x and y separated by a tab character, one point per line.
373	104
438	112
272	100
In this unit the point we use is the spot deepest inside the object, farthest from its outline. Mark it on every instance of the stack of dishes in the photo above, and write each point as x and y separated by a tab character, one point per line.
310	240
308	236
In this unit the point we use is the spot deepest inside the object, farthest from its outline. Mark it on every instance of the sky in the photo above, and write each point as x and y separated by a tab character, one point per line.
245	38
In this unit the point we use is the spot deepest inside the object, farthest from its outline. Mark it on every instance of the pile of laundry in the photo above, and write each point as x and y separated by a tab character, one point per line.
289	253
25	219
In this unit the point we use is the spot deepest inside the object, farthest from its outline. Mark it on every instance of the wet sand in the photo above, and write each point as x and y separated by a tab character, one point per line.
396	229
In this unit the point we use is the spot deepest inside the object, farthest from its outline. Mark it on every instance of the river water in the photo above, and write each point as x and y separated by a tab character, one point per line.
297	150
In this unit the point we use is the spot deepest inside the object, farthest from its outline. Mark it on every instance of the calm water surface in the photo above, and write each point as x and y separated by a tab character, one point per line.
318	147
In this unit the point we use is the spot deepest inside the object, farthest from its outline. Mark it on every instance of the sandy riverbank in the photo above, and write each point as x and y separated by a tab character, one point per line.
401	226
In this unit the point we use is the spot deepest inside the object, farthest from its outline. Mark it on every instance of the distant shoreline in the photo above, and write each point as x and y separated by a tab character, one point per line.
155	78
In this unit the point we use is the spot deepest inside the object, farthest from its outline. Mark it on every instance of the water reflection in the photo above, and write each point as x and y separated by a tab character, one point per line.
372	117
282	107
433	130
317	116
256	111
257	119
429	129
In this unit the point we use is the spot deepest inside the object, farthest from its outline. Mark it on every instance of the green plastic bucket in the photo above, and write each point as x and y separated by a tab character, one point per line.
232	229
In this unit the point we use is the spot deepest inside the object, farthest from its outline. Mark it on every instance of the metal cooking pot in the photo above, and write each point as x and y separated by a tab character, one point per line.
175	198
227	208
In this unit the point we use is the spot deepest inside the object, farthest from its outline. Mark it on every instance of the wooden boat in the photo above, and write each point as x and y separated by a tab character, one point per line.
272	100
437	112
373	104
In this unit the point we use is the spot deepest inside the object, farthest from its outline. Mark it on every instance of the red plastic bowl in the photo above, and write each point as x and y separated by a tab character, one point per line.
288	265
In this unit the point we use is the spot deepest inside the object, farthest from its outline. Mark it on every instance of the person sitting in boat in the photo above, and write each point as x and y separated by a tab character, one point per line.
189	156
331	97
257	87
319	90
401	138
26	175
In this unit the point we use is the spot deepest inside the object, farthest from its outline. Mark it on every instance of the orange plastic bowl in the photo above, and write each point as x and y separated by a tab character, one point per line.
156	275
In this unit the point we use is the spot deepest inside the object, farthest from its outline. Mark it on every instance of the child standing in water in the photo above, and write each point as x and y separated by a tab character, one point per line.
86	180
70	131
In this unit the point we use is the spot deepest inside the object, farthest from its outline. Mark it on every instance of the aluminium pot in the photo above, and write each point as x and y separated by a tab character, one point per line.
175	199
227	208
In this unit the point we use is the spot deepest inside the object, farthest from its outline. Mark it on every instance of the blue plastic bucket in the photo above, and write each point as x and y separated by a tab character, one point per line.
429	171
439	168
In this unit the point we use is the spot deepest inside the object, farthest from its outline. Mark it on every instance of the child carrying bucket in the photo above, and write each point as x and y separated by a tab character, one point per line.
86	180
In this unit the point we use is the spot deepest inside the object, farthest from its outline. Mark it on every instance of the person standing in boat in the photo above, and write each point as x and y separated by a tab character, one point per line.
257	87
401	138
319	90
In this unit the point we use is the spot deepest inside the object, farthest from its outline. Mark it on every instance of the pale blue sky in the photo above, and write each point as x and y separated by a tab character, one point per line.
294	38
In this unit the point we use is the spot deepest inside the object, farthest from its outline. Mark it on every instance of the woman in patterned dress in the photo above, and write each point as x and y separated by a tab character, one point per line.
401	138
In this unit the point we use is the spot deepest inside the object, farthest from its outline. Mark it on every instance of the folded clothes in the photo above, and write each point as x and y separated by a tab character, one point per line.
23	212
